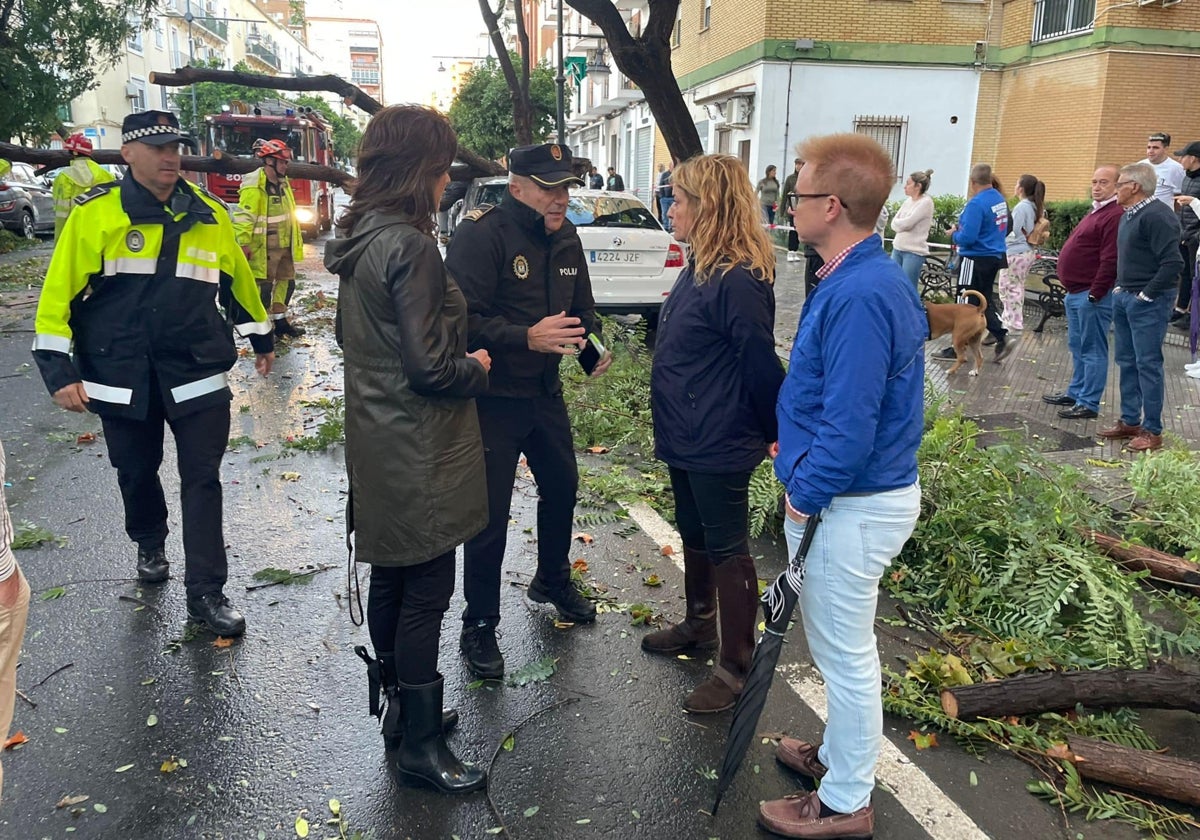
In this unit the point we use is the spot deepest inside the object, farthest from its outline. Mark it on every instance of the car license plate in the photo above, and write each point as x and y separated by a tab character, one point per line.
615	256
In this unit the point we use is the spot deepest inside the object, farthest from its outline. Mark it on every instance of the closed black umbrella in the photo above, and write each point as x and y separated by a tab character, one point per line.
779	602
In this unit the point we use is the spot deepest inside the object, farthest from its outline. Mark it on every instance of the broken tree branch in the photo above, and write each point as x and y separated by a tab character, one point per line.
1159	688
1140	770
351	94
1167	567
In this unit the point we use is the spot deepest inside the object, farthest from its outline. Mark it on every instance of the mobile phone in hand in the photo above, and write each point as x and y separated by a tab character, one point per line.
591	354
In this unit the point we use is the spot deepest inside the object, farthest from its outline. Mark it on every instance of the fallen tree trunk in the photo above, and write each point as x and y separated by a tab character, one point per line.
1160	688
1162	566
51	158
351	94
1140	770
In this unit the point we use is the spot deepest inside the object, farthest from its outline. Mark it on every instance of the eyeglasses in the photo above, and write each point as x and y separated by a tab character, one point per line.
1125	183
822	195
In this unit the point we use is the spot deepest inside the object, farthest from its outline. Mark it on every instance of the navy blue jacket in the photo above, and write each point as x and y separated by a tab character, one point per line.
716	376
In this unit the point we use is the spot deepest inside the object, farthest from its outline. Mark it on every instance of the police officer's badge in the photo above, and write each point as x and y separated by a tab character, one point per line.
521	267
135	241
556	152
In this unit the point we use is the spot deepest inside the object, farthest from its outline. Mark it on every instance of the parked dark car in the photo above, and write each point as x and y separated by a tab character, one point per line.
26	204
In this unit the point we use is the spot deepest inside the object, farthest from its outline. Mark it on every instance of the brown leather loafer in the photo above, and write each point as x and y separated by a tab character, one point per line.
1121	431
1145	442
799	815
800	756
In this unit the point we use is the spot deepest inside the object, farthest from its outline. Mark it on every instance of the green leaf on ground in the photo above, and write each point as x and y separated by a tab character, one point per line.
538	671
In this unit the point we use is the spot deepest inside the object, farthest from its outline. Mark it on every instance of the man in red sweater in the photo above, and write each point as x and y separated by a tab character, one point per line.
1087	267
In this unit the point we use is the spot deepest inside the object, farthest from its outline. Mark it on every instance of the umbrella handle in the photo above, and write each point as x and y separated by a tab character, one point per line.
779	599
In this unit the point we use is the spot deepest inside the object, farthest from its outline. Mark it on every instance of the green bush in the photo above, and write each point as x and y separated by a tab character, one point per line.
1064	215
10	241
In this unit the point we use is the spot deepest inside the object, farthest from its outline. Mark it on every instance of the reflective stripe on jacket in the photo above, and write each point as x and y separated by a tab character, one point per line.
83	174
133	289
251	226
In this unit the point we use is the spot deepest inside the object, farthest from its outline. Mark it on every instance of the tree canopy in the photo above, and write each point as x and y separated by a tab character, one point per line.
51	52
482	112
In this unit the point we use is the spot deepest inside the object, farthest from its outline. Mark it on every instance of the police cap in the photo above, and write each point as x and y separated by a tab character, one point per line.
155	128
547	165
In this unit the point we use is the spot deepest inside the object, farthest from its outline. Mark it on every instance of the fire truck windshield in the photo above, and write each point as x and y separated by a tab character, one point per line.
238	140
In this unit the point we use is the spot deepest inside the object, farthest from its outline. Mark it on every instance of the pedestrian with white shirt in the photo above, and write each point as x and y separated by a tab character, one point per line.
14	609
1168	172
912	223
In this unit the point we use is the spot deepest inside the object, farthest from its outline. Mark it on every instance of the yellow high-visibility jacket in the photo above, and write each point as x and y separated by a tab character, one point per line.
133	290
251	225
83	174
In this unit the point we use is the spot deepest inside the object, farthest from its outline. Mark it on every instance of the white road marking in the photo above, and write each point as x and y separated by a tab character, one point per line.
936	812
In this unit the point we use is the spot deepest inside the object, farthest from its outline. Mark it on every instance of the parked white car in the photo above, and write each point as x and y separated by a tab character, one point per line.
633	262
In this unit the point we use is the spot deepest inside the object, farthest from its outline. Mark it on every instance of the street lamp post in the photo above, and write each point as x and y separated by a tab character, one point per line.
561	79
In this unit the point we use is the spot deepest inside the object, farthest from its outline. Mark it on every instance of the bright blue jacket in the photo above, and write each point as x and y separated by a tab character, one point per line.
851	409
983	225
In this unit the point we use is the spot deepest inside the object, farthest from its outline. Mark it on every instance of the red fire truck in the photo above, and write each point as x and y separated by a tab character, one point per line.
307	135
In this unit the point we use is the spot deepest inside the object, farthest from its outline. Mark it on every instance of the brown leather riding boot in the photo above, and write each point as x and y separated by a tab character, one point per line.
737	593
698	630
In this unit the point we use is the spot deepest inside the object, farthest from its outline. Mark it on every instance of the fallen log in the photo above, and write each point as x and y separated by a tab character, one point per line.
1159	688
351	94
53	158
1133	769
1162	566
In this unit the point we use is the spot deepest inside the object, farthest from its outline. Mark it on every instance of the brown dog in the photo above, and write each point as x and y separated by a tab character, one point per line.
965	322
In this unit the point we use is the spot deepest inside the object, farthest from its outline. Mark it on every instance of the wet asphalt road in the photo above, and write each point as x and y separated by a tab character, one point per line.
275	726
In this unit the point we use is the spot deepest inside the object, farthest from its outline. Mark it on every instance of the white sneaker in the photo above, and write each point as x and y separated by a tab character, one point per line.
793	256
1194	373
1192	365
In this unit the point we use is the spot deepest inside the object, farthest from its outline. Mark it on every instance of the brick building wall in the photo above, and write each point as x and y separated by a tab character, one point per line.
879	21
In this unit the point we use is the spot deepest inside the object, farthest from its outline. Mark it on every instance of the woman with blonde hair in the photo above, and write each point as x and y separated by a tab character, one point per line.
712	392
912	223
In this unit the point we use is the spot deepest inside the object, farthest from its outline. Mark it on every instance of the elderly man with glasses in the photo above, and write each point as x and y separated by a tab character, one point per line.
1148	263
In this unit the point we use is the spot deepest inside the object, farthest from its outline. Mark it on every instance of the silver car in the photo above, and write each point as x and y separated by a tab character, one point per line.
26	203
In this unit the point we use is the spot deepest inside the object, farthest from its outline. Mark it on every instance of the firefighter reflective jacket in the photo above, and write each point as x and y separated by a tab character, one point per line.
251	225
135	285
83	174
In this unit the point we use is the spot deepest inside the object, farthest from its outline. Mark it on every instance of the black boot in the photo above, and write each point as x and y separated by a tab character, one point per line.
478	645
286	329
424	754
152	565
381	683
214	611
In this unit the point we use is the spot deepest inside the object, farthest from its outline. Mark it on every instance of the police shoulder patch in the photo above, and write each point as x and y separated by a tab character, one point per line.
479	212
97	191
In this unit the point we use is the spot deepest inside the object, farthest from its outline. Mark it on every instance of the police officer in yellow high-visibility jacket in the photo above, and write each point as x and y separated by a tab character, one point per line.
270	232
80	176
134	284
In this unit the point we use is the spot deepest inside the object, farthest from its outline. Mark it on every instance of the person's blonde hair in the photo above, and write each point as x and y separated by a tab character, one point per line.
727	230
855	169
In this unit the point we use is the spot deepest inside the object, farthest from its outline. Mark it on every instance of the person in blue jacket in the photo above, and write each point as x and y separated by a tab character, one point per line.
850	421
712	391
980	234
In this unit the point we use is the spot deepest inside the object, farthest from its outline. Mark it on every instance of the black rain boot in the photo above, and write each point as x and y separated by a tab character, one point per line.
424	754
381	684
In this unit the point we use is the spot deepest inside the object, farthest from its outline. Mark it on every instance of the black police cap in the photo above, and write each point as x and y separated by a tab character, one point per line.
548	165
155	128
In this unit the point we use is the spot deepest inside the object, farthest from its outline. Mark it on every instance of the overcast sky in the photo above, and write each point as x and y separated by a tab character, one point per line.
414	31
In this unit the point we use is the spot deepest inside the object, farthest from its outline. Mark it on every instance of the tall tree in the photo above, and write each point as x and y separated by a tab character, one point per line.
646	60
518	82
51	52
482	114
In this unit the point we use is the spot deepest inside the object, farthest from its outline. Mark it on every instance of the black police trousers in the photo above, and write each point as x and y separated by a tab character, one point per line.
135	448
539	427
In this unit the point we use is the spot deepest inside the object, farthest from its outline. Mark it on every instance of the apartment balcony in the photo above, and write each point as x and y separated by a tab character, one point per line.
219	28
616	98
264	54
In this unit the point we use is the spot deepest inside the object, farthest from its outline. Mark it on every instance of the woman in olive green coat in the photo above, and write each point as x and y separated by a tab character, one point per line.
413	450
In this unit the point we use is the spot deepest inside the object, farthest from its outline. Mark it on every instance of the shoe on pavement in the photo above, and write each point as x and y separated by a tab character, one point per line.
1145	442
1121	431
989	341
152	565
571	605
1003	348
285	329
800	756
799	815
1061	398
1194	373
1192	365
478	646
1078	412
946	353
213	611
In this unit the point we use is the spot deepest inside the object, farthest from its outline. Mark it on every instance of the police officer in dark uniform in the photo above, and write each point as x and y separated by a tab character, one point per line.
128	328
521	266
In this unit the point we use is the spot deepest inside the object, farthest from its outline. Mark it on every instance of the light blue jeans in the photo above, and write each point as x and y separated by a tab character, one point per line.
911	264
855	541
